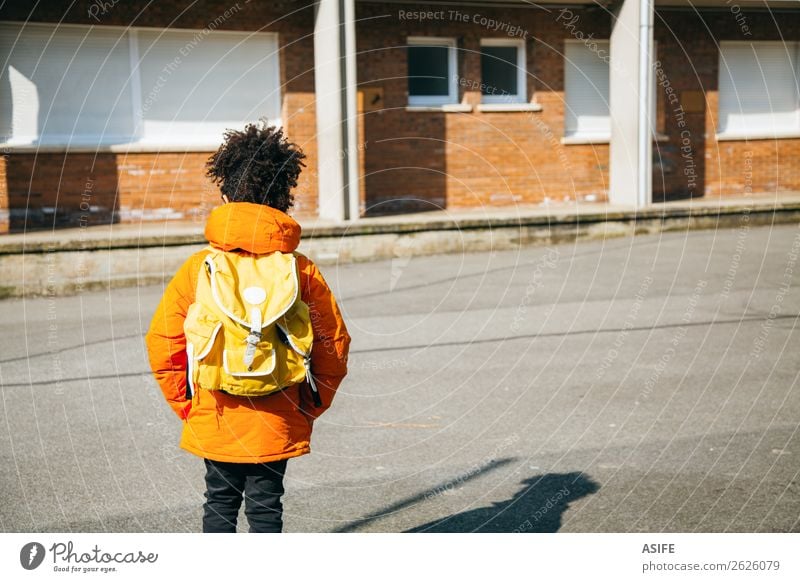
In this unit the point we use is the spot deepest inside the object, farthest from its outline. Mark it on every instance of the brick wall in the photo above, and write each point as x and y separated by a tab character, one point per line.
756	166
426	160
151	185
691	63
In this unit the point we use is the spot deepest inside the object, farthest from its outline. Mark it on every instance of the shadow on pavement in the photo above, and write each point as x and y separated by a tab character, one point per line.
414	499
537	508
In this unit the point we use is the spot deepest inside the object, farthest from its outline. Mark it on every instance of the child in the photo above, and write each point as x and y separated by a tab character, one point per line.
246	440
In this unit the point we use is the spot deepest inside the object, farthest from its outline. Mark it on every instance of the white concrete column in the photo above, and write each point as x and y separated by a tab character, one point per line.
337	130
631	103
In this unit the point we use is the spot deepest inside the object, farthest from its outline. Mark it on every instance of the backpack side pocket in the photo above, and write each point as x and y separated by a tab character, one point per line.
203	331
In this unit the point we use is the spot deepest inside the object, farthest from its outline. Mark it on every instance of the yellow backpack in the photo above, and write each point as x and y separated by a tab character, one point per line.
248	332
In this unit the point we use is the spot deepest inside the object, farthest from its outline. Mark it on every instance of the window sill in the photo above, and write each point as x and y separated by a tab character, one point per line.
756	136
601	139
449	108
586	139
111	148
509	107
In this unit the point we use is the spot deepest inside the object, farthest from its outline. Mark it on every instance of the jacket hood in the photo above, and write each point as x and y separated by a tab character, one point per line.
254	228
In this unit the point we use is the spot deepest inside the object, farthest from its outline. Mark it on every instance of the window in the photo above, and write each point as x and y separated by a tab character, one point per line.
587	92
586	83
432	71
71	85
758	91
64	85
503	76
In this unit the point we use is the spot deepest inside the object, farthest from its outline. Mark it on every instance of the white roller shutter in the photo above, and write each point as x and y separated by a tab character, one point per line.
71	85
64	85
196	84
586	83
758	88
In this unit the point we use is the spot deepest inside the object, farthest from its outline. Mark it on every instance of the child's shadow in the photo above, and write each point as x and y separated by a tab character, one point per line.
537	508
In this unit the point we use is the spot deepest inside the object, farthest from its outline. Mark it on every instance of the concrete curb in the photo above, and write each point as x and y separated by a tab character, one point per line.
69	262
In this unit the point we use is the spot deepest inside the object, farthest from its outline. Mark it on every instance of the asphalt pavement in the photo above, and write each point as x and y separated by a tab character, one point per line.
637	384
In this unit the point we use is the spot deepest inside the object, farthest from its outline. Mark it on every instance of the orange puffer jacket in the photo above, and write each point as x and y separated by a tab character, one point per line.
235	429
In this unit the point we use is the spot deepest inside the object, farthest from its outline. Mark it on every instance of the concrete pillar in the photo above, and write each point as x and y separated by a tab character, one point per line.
335	87
631	104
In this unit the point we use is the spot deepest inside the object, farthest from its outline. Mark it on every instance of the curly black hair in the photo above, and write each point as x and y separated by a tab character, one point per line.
257	165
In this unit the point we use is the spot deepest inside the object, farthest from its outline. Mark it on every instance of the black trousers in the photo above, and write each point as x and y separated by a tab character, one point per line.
261	486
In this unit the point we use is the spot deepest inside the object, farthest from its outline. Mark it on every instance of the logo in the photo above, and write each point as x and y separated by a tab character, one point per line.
31	555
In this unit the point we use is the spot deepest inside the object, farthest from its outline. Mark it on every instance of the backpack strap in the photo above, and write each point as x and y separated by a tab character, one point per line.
312	384
253	338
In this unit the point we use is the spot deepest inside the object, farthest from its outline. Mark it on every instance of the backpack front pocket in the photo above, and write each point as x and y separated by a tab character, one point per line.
248	379
234	362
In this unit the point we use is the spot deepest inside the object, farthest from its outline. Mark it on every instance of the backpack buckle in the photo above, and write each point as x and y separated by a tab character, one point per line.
250	352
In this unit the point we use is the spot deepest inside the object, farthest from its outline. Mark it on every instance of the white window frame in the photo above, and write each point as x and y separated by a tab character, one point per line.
766	132
579	138
452	72
522	71
137	143
585	138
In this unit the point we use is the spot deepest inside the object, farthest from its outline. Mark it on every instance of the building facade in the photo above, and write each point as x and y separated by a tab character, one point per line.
109	110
